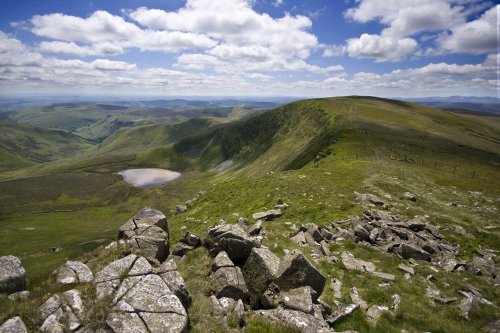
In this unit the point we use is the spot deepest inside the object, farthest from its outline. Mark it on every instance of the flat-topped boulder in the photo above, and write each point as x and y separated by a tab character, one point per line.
268	214
147	234
12	275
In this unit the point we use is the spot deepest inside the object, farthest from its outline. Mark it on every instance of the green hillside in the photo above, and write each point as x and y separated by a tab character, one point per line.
312	154
22	145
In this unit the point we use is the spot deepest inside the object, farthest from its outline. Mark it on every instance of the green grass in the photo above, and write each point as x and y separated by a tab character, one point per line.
276	162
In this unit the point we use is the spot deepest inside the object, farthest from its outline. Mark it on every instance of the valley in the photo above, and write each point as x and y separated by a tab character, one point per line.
62	199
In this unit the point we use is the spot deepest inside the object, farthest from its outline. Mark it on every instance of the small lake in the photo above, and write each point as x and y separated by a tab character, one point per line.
148	177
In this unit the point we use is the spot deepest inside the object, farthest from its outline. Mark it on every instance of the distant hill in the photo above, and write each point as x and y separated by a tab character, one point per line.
24	145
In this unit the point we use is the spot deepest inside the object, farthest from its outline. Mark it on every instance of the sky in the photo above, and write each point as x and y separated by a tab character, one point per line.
309	48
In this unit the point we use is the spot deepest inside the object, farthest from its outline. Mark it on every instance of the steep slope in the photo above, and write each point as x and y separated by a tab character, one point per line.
292	135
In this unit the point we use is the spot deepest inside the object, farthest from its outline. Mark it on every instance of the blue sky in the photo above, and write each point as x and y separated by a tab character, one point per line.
405	48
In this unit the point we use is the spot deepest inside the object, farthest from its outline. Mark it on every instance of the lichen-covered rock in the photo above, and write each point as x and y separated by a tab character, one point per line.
12	275
149	299
228	307
229	282
13	325
305	322
299	299
147	234
412	251
175	282
74	272
260	268
108	279
268	215
296	271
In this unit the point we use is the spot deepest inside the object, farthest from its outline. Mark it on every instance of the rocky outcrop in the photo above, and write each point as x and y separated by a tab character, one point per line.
147	234
187	243
13	325
12	275
74	272
407	238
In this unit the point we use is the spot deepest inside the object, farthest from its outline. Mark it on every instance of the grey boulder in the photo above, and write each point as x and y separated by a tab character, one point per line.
260	268
13	325
12	275
147	234
296	271
74	272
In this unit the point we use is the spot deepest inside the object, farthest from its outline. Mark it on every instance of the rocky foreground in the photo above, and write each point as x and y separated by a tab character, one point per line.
142	290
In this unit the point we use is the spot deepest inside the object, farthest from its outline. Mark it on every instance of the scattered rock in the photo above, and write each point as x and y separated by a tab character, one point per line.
13	325
492	327
267	215
305	322
368	199
375	311
12	275
147	234
356	298
407	269
337	288
352	263
410	196
341	313
437	296
255	229
179	209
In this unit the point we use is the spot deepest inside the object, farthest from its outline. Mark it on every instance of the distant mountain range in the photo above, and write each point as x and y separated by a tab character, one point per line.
460	104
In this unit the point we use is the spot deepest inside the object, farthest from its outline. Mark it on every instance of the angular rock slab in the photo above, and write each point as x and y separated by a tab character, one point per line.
147	234
74	272
229	282
234	240
13	325
305	322
260	268
268	215
12	275
296	271
108	279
